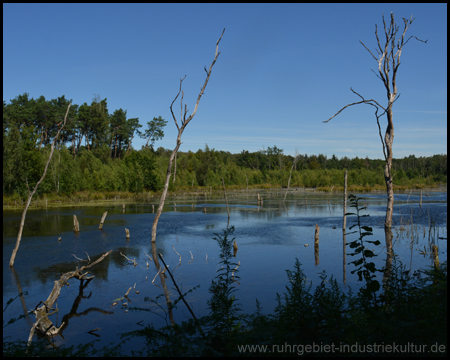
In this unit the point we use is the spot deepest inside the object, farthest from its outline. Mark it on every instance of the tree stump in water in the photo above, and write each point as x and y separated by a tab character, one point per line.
103	219
76	225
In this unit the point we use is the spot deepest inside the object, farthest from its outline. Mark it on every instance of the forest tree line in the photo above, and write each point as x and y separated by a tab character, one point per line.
95	153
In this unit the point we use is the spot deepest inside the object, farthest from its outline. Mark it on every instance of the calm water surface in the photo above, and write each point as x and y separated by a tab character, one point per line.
269	239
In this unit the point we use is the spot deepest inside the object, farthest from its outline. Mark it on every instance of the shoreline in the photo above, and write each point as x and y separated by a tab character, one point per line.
98	198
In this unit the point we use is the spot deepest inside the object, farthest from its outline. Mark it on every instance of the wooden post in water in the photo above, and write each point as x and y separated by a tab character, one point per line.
174	206
76	225
345	201
420	203
316	245
153	208
226	201
260	200
127	231
103	219
123	208
435	255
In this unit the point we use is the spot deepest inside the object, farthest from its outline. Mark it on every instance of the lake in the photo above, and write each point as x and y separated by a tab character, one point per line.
269	238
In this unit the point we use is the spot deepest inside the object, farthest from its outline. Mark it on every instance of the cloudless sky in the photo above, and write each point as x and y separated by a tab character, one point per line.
283	69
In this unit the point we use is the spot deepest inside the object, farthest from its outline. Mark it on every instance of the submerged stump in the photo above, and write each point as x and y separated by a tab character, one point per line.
76	225
103	220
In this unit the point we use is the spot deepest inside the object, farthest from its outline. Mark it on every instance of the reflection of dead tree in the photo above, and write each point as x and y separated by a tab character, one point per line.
388	61
182	297
76	304
31	193
162	276
43	323
21	295
184	123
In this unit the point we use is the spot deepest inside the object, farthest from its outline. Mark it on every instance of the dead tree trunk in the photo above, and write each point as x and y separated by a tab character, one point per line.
344	225
289	181
316	245
388	62
226	200
31	194
103	220
76	225
184	123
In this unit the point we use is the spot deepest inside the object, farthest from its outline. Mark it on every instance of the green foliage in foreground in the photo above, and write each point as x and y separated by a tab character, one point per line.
410	310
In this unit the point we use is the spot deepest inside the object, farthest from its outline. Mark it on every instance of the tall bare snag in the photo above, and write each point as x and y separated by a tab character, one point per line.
184	122
388	59
31	193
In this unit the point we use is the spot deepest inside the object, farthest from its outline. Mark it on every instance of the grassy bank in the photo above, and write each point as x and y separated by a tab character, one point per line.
98	197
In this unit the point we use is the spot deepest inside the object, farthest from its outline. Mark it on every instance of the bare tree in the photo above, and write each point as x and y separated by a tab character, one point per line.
31	193
388	62
184	122
290	174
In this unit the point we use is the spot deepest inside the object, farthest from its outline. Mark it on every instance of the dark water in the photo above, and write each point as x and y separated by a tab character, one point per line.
269	239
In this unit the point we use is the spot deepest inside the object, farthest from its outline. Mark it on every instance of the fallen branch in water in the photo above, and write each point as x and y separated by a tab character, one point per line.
232	274
43	323
133	261
176	252
153	281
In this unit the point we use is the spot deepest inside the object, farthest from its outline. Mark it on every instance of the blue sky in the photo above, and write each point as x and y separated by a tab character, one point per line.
283	69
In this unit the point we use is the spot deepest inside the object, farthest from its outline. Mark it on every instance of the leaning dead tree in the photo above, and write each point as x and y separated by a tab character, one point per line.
388	59
184	122
31	193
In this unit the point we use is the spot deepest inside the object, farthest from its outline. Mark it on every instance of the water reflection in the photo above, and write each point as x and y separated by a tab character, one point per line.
74	310
270	237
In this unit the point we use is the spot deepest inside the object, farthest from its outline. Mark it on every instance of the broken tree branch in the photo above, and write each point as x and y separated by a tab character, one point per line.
133	261
176	252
